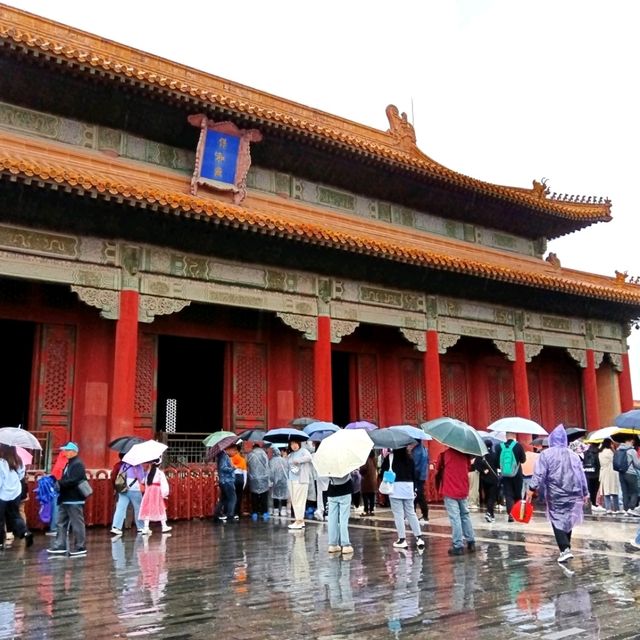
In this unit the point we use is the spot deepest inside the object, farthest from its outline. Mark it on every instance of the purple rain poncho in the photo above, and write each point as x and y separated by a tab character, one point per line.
560	480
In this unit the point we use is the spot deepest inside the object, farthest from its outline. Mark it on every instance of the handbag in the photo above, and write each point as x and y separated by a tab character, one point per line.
85	488
388	479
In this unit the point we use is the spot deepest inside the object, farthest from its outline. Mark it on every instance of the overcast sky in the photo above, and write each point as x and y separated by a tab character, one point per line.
502	90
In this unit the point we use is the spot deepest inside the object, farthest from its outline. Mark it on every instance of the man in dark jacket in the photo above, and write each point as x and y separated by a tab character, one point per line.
512	478
70	523
421	463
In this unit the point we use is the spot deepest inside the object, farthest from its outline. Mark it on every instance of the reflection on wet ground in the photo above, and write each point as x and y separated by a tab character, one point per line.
260	580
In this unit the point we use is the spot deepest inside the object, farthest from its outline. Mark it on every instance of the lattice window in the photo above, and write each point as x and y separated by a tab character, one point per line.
171	415
249	385
455	402
306	391
501	392
55	392
146	380
412	391
367	388
535	403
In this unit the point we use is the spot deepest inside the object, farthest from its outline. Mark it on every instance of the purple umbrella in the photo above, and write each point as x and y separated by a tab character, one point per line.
361	424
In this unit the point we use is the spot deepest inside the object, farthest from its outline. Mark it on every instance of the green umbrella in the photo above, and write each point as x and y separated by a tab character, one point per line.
457	435
219	441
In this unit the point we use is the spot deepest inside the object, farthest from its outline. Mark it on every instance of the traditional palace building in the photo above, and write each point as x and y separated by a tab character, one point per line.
182	253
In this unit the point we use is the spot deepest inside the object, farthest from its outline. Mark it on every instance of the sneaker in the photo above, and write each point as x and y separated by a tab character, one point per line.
166	529
423	521
236	518
28	539
634	513
57	551
219	518
400	543
116	531
598	509
8	536
471	547
420	543
510	519
347	550
635	544
296	525
567	572
283	512
51	533
78	552
456	551
318	516
334	548
146	532
489	518
364	514
565	555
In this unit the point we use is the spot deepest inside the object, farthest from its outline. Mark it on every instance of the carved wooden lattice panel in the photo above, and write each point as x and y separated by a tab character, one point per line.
146	381
455	401
412	391
55	382
535	403
367	388
501	393
305	397
567	403
249	400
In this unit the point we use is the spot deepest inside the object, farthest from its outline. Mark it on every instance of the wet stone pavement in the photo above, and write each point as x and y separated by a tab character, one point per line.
261	581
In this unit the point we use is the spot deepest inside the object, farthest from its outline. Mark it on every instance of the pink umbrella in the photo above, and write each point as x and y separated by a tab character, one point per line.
361	424
25	456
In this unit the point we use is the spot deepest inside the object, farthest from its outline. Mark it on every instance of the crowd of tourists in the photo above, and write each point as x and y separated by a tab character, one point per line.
281	482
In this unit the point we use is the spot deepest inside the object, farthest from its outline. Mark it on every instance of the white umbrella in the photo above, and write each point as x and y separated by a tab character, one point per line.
494	435
342	452
15	437
517	425
602	434
144	452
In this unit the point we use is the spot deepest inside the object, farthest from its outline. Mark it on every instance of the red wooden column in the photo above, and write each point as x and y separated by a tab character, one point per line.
433	383
624	384
322	370
591	392
520	382
124	366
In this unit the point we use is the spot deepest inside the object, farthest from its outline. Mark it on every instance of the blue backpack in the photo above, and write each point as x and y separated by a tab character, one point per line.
46	494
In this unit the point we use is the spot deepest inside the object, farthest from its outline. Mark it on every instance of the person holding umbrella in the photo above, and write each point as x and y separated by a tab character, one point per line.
11	474
300	474
559	478
156	492
128	484
226	484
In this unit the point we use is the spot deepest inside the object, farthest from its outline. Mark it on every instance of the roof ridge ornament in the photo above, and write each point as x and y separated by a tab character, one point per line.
541	189
401	129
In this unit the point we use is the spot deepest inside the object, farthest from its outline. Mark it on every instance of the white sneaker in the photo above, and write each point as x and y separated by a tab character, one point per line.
597	509
401	543
283	512
635	544
116	531
296	525
565	555
318	516
423	521
145	532
166	529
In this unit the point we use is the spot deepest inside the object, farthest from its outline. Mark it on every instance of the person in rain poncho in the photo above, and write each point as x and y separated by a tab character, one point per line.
300	475
279	481
258	474
559	478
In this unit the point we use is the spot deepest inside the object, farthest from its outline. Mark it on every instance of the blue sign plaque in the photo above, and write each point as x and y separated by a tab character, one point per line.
220	157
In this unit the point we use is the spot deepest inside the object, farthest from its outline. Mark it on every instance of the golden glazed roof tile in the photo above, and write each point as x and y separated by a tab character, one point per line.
30	159
78	47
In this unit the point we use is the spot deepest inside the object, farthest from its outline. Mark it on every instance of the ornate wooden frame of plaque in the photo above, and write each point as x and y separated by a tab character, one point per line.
223	156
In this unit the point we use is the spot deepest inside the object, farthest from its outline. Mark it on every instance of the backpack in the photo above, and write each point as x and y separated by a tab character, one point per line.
591	463
120	484
508	464
621	460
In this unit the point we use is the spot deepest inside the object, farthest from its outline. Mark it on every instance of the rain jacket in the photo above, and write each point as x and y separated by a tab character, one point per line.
226	474
609	479
279	476
258	470
300	468
421	462
559	478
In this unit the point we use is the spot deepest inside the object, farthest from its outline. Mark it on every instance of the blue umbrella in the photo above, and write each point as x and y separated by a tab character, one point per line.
320	430
361	424
285	434
414	432
628	419
390	438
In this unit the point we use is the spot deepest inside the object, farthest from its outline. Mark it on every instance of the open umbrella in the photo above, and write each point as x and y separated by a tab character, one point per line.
144	452
342	452
124	443
302	422
514	424
218	441
320	430
25	456
457	435
573	433
361	424
285	434
601	434
628	420
390	438
15	437
252	435
414	432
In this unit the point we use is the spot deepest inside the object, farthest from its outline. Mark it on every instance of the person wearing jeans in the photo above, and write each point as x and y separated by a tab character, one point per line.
453	473
226	484
131	496
401	499
339	494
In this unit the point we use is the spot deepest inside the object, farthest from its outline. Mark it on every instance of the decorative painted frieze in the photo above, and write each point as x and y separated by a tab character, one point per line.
151	306
342	328
308	325
580	356
417	338
507	348
107	300
446	341
37	242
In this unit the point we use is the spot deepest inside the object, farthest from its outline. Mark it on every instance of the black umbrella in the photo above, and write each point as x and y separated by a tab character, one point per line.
124	443
253	435
573	433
